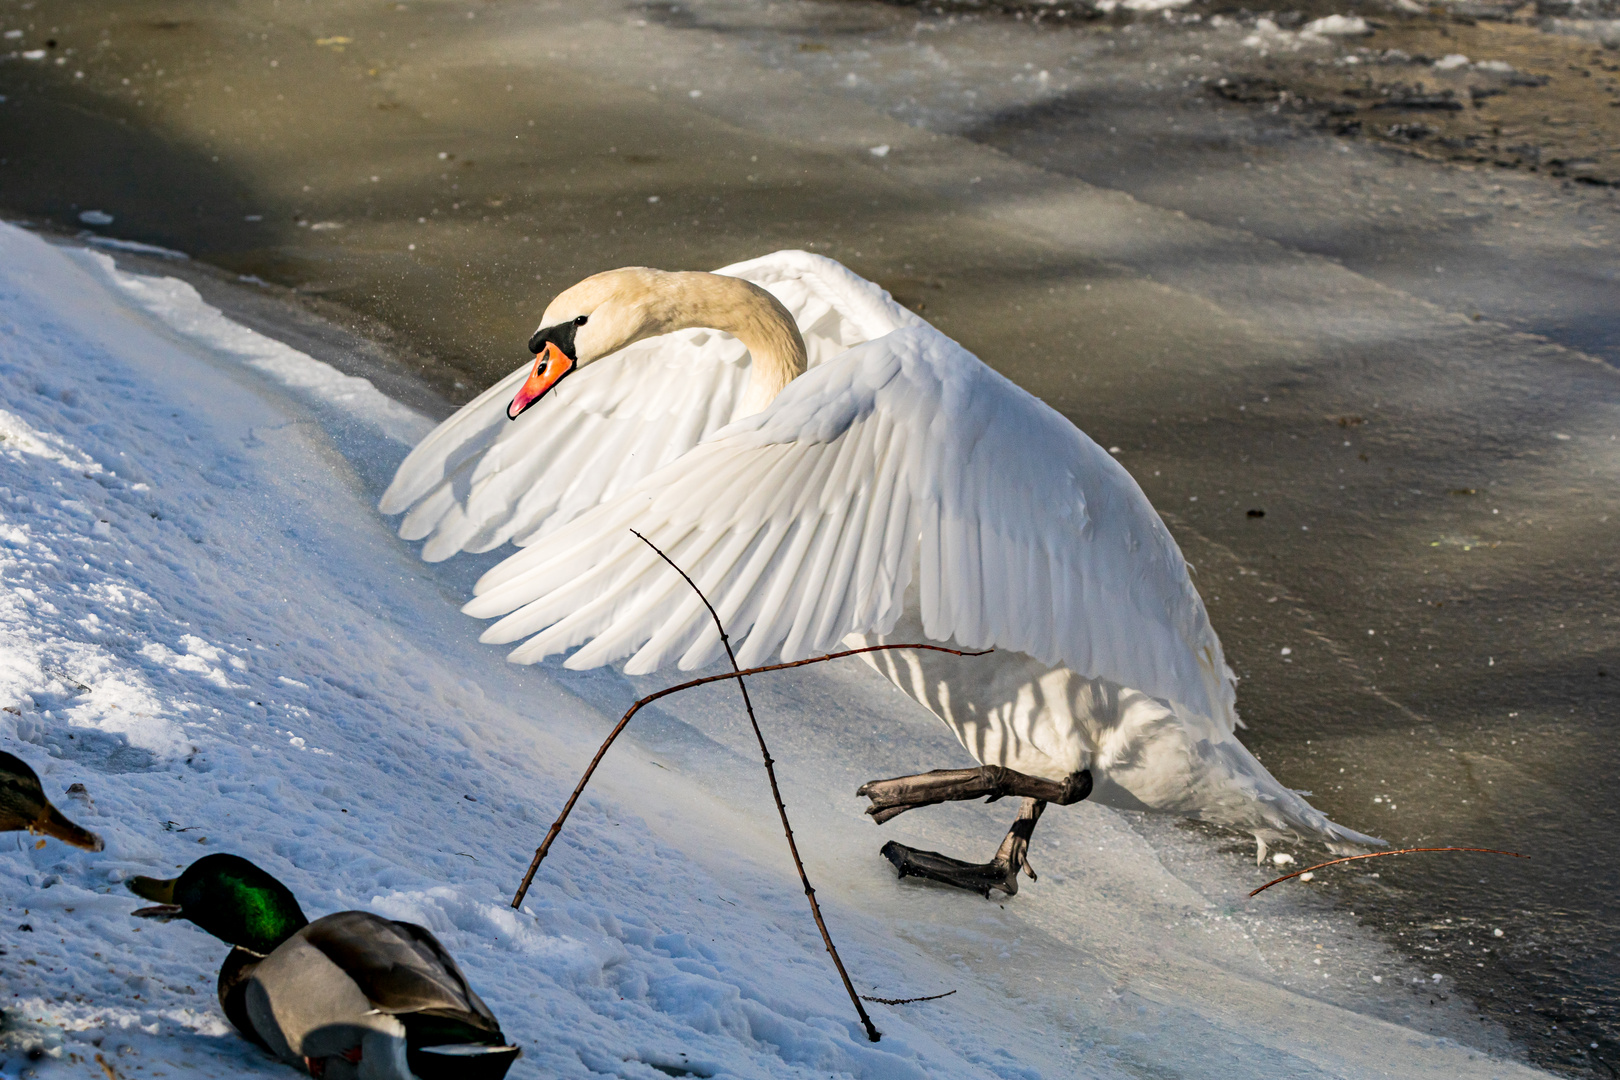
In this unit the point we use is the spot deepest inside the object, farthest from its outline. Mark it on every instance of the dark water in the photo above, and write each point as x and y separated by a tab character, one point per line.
1440	546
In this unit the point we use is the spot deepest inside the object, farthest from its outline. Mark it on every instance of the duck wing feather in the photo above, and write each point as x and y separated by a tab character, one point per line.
400	967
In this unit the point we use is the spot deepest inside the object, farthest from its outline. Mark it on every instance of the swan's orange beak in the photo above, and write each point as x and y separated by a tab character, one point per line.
550	365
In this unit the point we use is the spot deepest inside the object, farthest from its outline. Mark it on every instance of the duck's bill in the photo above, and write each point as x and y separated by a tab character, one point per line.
149	888
163	912
550	365
54	824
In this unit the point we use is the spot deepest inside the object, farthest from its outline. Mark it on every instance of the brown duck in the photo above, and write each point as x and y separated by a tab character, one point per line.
23	805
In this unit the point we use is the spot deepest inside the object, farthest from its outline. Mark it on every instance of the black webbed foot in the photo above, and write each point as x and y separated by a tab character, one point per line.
1001	872
891	798
975	877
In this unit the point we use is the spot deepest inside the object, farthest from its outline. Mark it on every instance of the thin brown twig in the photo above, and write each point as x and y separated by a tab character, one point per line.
1380	855
906	1001
872	1032
736	673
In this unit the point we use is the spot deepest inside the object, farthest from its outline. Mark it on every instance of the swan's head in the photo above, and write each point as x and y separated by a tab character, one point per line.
593	319
609	311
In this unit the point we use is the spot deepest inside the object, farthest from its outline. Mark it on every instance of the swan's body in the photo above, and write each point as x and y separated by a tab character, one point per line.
899	489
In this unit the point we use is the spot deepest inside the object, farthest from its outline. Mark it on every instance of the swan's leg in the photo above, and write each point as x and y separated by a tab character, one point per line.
891	798
1001	872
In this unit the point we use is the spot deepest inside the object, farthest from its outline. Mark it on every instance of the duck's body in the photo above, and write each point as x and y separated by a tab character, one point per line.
351	994
898	490
23	805
366	996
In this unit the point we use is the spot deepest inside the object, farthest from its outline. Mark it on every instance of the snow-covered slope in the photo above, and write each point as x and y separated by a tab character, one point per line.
206	624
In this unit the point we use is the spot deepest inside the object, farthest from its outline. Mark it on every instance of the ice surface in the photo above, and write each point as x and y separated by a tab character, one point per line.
206	624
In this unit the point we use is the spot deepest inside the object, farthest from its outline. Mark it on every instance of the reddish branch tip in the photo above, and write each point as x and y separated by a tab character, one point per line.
1380	855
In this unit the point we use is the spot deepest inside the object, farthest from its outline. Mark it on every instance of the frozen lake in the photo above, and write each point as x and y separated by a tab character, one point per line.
1408	362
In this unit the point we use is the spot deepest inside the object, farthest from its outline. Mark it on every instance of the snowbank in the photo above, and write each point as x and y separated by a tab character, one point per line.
206	624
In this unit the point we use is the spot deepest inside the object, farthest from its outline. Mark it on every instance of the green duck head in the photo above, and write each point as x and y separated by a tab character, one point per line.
23	805
230	898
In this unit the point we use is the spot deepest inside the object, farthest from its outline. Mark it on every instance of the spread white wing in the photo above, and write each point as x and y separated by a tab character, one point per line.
904	457
480	479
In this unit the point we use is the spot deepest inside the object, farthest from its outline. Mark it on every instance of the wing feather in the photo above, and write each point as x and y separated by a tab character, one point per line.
479	480
400	967
903	457
837	598
740	600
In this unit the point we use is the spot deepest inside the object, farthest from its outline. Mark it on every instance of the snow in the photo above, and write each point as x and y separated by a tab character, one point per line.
135	247
1268	35
1338	26
1140	5
206	624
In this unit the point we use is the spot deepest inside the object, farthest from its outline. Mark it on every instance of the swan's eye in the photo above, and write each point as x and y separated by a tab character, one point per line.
582	320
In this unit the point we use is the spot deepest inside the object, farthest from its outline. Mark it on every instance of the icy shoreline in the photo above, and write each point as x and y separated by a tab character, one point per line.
207	625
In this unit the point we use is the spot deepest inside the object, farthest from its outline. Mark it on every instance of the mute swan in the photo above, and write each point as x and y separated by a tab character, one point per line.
830	468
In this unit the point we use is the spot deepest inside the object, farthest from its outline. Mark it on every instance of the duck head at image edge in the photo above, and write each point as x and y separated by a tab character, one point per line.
328	995
23	805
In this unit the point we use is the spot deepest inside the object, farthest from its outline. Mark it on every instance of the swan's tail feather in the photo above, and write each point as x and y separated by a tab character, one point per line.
1274	812
1158	756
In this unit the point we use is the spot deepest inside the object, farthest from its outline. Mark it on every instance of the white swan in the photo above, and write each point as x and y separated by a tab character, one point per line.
829	468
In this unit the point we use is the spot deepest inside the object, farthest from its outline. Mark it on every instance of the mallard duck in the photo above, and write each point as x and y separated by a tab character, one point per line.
349	995
834	472
23	805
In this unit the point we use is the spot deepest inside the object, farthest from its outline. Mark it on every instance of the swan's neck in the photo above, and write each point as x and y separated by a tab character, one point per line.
755	318
776	362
